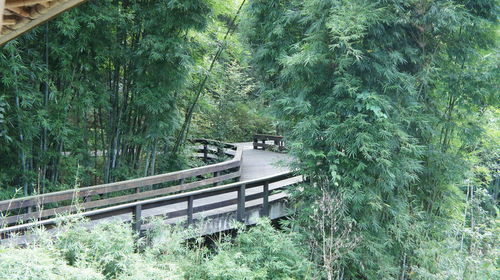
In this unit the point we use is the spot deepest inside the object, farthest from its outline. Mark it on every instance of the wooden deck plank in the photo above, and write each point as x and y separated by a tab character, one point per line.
259	163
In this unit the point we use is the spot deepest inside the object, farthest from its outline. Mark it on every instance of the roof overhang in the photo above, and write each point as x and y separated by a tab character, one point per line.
19	16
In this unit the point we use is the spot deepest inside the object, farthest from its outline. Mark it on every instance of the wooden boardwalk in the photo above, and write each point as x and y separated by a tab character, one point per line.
255	164
263	176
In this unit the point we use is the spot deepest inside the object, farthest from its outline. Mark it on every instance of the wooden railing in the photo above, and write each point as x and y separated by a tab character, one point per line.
277	142
241	199
46	206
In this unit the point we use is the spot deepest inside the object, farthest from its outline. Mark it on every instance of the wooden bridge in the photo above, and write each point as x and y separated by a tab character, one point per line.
248	185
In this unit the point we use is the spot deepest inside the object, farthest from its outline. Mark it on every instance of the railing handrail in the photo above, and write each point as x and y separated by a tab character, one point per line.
139	204
147	181
278	141
268	136
65	195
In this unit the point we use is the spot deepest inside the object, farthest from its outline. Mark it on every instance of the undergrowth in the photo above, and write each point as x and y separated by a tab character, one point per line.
111	250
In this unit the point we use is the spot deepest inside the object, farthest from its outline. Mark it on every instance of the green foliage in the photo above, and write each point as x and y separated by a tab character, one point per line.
101	83
390	108
229	108
383	104
104	87
233	112
107	251
261	252
109	248
3	125
39	263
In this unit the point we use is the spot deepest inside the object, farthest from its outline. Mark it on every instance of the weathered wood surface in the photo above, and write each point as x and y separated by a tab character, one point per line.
259	163
205	204
262	185
19	16
208	221
2	6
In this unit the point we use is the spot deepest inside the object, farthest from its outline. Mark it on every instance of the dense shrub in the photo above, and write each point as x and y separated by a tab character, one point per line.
40	263
110	250
109	247
259	253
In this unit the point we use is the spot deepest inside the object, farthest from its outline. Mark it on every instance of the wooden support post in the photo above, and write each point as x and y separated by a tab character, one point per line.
205	152
255	141
136	218
216	174
264	144
265	200
240	210
190	210
137	190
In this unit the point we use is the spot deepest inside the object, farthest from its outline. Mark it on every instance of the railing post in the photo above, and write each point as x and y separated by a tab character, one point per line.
136	218
205	152
190	210
255	141
137	190
240	210
264	144
216	174
265	199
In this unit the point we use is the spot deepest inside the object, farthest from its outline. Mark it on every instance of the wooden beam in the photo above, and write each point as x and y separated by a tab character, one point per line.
23	3
2	7
20	11
45	4
47	14
9	21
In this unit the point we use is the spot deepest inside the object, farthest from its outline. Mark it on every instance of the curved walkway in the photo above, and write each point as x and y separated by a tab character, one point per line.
255	164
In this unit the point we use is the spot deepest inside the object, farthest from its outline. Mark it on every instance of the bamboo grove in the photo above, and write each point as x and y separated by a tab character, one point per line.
100	92
387	105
